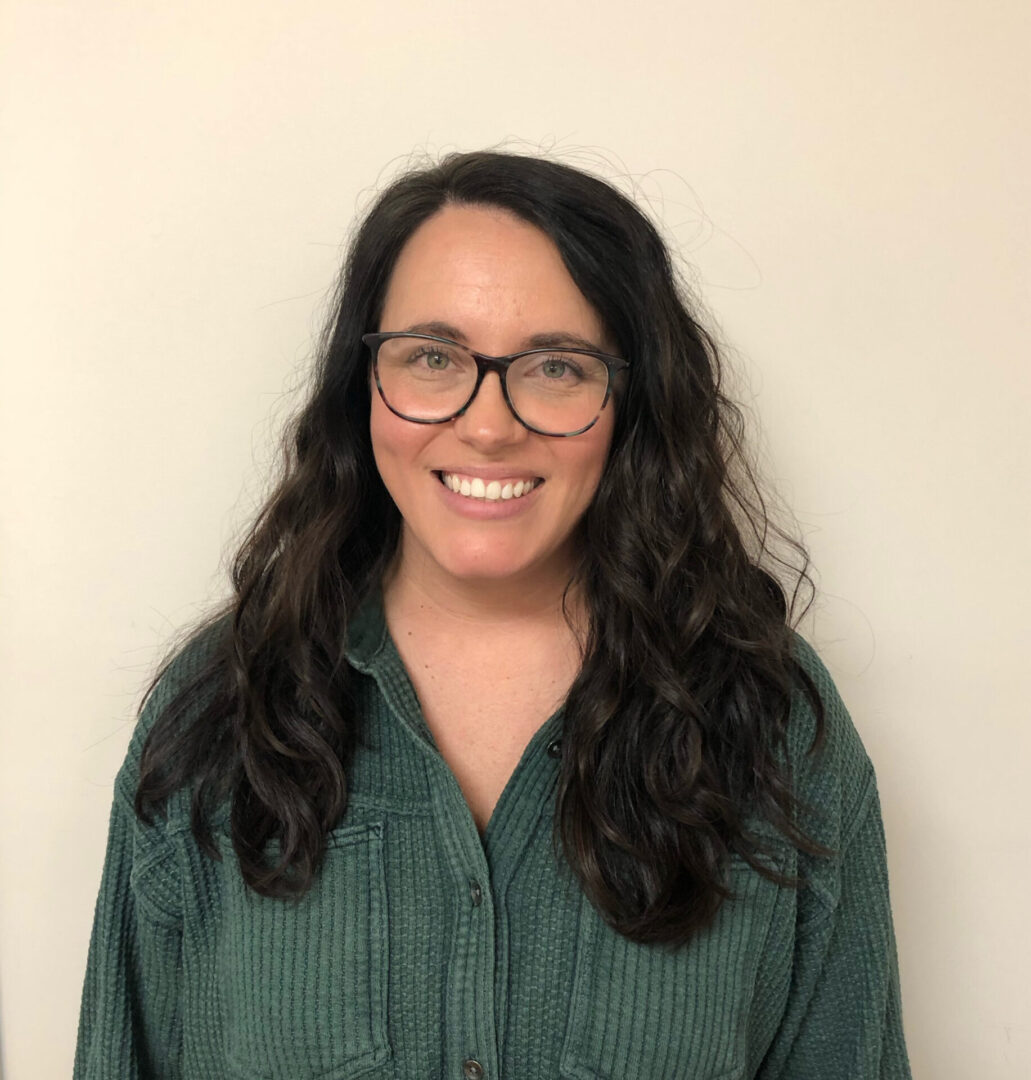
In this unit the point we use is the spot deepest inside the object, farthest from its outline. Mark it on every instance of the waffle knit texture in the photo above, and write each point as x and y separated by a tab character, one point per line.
427	951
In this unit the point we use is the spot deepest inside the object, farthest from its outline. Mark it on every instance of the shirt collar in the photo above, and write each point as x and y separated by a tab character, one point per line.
367	632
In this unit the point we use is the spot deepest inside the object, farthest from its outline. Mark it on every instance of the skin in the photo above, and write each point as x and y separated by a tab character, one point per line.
498	281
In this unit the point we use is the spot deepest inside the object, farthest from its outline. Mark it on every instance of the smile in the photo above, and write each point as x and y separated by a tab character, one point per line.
473	487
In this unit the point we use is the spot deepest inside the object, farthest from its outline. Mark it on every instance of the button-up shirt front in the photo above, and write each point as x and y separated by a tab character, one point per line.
426	950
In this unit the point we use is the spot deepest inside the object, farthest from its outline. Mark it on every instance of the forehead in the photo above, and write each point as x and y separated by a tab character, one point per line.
488	273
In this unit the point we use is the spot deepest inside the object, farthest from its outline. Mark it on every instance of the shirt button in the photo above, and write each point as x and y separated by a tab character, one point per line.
476	893
472	1069
555	748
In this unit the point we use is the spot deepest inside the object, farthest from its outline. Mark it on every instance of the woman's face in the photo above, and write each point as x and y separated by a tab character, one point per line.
489	280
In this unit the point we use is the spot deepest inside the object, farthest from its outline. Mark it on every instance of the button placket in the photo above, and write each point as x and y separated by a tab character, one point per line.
470	1009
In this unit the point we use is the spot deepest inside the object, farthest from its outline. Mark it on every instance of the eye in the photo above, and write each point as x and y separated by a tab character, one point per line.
559	367
433	357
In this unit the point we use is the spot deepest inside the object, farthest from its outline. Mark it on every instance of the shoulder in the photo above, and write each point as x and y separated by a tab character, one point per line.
143	853
833	775
176	694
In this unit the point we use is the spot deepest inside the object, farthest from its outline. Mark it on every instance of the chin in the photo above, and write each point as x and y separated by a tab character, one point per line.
484	566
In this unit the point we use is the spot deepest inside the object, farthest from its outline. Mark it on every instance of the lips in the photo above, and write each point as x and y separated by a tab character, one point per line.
486	473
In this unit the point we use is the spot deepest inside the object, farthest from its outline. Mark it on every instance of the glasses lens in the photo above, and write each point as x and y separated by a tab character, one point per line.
554	391
425	379
558	392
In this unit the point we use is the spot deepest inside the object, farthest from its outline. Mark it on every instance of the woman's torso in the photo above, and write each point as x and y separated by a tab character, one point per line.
427	947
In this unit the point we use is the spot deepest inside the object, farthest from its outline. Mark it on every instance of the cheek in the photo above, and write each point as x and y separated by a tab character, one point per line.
394	442
582	474
595	455
378	436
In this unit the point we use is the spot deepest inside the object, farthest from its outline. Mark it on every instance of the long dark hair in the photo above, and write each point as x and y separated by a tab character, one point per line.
674	730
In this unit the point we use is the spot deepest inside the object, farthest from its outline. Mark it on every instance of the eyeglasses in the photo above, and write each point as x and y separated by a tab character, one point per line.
430	380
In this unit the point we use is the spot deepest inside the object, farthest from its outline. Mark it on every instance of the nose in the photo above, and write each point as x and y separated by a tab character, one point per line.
488	420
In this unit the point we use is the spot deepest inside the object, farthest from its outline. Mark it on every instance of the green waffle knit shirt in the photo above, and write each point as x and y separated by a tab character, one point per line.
426	951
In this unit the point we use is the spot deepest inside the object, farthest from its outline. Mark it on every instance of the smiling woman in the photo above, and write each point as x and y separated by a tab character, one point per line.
499	283
504	758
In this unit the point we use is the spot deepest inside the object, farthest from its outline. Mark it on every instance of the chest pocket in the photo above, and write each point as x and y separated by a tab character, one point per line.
304	983
648	1012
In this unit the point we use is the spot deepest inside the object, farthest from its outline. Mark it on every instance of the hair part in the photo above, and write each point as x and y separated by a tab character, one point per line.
675	728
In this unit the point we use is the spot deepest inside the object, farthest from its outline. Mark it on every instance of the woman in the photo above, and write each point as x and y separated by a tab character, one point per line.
503	759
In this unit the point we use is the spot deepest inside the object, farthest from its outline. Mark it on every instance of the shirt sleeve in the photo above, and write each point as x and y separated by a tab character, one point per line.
843	1017
129	1023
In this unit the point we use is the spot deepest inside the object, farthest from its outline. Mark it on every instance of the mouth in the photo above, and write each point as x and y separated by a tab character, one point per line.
474	487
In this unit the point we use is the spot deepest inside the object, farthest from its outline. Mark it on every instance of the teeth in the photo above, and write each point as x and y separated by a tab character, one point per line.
475	488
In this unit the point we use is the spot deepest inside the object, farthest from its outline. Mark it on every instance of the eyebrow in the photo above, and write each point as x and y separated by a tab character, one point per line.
551	340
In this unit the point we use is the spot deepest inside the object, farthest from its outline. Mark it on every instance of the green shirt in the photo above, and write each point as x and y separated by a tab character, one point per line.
425	950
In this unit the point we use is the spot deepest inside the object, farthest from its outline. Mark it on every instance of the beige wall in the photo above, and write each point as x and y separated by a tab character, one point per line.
850	182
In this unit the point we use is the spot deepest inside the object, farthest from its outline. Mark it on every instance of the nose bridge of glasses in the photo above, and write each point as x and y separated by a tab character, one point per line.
485	364
489	395
489	389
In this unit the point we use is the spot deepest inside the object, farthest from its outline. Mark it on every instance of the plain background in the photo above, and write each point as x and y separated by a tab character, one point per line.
848	187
